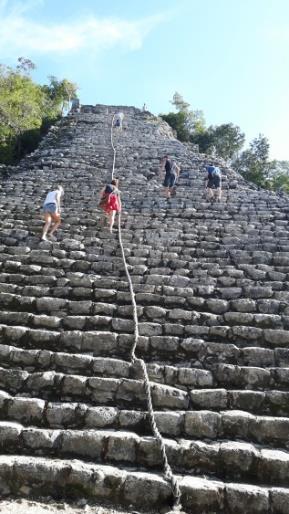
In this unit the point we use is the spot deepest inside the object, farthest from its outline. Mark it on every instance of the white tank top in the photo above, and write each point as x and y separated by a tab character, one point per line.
51	197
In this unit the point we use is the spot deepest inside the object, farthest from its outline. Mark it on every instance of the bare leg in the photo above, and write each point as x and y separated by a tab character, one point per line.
56	222
111	220
167	192
210	193
46	227
219	194
55	227
104	219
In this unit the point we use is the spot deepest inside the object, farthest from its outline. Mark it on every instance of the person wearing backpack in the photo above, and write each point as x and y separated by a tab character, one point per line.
172	171
110	201
118	120
213	182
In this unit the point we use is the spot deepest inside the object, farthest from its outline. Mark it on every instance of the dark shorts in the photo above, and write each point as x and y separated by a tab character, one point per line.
214	183
50	208
170	180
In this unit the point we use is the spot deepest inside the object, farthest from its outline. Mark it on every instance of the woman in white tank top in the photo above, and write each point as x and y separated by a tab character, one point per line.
51	210
51	197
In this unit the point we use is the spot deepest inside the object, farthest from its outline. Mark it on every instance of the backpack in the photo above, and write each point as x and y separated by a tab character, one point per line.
214	171
174	168
108	189
105	197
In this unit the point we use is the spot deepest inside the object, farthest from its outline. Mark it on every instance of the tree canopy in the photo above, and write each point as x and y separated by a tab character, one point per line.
227	141
185	121
27	108
253	163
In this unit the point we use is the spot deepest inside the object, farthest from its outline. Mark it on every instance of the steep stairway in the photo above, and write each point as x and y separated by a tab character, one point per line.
211	283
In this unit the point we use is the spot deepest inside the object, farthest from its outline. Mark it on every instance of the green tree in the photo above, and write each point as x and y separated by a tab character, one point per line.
25	65
60	92
278	176
204	139
179	103
27	109
184	121
227	139
21	104
280	182
178	123
278	168
253	163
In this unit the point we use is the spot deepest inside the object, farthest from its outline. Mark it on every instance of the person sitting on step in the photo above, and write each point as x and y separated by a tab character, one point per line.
110	201
51	211
172	171
213	183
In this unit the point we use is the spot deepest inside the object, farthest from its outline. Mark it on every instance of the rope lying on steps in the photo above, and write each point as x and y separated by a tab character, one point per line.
112	145
168	473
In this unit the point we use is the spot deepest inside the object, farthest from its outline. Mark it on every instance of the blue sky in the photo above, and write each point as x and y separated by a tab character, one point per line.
228	58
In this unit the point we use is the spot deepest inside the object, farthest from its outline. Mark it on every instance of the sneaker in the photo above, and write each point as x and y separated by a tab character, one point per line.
43	238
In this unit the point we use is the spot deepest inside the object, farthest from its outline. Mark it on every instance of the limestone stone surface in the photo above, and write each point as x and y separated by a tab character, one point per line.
211	284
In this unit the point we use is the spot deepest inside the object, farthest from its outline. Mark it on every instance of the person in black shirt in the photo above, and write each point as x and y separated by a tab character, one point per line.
172	172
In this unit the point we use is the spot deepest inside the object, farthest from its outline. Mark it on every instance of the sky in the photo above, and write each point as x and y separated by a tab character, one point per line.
228	58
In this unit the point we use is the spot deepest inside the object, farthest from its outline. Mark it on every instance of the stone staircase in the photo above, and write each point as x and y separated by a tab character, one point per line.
211	282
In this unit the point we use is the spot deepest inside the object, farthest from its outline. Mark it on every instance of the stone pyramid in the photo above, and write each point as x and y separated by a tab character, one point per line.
211	283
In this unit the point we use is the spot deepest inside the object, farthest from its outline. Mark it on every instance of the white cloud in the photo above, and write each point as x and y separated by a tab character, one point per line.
21	35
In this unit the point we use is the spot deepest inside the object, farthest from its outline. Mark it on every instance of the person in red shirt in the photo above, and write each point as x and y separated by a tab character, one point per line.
110	201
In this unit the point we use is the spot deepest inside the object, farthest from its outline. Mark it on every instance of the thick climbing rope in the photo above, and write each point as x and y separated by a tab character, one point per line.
113	147
168	473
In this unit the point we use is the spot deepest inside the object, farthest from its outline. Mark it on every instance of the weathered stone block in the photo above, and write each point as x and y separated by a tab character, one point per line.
247	498
202	424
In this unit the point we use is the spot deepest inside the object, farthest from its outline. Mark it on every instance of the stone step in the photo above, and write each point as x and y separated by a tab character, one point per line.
182	377
93	390
203	424
201	353
38	312
211	285
36	360
38	476
121	392
258	402
176	344
169	348
222	460
15	505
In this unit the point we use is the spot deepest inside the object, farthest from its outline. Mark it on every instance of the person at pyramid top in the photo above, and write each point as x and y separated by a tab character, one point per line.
118	120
